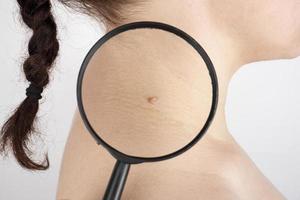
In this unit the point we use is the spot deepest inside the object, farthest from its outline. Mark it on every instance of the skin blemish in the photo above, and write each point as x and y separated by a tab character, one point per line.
152	99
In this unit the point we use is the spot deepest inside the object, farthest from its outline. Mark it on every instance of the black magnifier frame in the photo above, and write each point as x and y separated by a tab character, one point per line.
121	168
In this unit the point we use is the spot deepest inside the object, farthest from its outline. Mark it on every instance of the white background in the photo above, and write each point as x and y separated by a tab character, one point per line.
263	106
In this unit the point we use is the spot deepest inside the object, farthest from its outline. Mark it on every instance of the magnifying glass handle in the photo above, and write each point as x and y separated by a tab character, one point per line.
117	181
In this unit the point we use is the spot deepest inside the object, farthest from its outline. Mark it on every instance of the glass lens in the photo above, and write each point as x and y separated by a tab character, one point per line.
146	92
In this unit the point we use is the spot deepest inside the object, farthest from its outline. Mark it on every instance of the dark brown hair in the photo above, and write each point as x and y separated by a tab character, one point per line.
43	48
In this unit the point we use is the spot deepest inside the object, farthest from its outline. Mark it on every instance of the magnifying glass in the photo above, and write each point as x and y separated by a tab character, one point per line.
142	94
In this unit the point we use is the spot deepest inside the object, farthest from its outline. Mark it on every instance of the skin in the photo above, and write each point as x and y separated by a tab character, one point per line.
234	33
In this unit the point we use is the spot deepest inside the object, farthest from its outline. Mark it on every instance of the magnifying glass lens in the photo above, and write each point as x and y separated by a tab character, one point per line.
146	92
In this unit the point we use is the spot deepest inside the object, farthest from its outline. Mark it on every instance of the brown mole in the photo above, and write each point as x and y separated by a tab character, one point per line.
152	99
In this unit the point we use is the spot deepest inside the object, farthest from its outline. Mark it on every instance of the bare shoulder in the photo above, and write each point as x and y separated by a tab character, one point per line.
214	169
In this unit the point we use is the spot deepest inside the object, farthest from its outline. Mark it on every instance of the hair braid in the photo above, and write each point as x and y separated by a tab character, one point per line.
43	48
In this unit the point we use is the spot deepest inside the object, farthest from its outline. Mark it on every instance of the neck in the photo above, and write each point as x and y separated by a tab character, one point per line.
223	50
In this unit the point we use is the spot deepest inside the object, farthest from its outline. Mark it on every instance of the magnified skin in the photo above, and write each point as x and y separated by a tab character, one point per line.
120	94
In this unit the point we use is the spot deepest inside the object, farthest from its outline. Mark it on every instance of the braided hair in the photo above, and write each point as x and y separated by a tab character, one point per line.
43	48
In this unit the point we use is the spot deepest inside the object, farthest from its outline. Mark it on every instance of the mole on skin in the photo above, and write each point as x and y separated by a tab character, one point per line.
152	100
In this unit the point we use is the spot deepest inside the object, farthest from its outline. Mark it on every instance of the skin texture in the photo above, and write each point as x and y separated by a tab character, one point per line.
234	33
